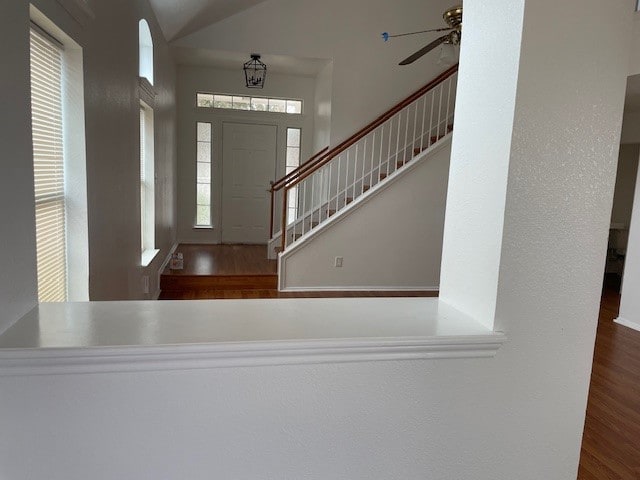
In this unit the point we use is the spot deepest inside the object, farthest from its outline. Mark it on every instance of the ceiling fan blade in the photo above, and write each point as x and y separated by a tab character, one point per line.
424	50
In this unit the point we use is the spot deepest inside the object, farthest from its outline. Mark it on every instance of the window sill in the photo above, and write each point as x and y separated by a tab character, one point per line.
203	227
148	256
181	335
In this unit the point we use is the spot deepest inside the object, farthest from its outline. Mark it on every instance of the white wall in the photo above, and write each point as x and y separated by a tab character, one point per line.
516	416
366	77
392	240
634	56
629	314
112	119
322	113
360	421
630	128
561	151
110	52
625	184
199	79
18	286
481	131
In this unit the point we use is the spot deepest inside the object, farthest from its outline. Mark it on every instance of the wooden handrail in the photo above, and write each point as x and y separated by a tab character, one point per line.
275	186
322	161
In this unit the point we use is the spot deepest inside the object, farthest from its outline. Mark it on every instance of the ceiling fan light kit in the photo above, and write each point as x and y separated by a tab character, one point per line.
453	16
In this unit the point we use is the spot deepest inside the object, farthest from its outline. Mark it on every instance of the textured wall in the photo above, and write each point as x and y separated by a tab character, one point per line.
480	150
556	190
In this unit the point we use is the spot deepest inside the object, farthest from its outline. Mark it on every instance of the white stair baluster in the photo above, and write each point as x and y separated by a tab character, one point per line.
389	147
439	111
373	151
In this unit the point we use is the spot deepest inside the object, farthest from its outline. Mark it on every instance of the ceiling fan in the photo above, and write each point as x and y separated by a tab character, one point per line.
453	18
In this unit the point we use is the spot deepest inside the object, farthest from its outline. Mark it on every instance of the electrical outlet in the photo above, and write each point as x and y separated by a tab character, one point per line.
145	284
338	262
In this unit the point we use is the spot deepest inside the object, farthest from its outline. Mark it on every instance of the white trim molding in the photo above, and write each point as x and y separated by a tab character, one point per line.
95	337
627	323
362	288
188	357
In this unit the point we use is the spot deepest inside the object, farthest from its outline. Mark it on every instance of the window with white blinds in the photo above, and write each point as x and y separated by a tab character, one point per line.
48	166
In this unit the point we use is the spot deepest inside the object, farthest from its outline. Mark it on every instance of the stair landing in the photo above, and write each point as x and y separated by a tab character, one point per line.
209	269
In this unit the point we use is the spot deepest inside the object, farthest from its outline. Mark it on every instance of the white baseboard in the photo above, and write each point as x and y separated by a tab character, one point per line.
351	288
628	323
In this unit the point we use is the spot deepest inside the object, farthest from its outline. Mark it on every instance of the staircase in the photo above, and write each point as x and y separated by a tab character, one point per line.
335	179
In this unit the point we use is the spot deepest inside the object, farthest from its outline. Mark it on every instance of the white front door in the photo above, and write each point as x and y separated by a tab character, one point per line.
248	165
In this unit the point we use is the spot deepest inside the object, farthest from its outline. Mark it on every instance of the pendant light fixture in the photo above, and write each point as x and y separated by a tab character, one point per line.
255	72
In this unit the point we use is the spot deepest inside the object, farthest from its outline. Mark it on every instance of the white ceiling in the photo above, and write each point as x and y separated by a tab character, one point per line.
183	17
309	67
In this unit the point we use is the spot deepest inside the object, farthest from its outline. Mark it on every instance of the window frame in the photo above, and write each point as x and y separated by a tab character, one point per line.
210	225
145	51
147	185
250	98
72	127
293	202
147	176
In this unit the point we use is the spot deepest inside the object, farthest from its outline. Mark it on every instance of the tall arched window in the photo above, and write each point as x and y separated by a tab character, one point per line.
146	51
147	161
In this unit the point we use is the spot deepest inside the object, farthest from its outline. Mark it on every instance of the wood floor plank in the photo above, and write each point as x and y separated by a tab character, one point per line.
224	260
611	440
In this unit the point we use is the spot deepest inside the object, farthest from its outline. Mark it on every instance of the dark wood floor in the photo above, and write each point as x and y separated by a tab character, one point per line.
224	260
239	294
611	442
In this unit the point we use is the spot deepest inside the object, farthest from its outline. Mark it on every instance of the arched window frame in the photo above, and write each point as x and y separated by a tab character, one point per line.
145	60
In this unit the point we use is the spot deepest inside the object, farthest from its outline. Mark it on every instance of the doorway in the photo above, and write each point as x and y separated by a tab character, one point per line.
248	165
